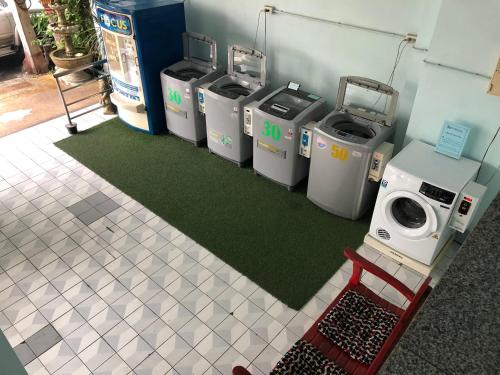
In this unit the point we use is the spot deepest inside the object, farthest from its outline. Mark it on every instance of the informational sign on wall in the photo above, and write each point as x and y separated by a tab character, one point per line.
495	81
452	139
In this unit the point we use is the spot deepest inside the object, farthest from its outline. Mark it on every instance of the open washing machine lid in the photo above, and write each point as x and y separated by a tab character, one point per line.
247	64
386	119
200	56
200	49
288	103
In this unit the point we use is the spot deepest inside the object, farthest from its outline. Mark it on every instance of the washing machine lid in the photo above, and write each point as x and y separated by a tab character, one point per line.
247	64
288	103
344	126
386	118
200	49
409	214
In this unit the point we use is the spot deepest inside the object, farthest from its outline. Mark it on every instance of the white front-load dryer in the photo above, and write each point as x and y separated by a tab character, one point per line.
415	202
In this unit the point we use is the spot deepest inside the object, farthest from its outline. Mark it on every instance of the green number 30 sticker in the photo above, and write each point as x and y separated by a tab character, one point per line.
174	96
271	130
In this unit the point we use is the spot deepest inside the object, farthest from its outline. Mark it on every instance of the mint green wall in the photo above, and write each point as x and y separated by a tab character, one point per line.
317	54
462	33
467	35
9	363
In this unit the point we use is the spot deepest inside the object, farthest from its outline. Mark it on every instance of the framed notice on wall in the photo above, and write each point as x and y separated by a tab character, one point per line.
495	81
452	139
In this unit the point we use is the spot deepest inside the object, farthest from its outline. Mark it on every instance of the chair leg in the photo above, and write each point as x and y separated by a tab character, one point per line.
238	370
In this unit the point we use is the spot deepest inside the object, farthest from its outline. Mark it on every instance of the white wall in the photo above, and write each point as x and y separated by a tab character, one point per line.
317	54
467	35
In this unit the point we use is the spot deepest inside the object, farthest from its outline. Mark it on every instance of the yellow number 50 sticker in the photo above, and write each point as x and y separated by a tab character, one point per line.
341	153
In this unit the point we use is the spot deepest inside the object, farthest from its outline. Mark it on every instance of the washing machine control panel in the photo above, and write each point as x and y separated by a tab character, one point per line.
201	100
248	121
436	193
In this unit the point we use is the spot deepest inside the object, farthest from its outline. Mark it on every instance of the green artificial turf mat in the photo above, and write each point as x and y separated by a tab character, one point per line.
277	238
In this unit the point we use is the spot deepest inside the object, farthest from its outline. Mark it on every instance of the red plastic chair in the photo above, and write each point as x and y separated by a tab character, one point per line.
336	354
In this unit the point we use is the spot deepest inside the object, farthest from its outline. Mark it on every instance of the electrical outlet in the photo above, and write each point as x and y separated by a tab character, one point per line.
411	38
268	9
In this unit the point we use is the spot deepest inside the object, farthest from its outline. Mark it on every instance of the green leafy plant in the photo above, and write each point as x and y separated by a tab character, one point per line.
44	36
79	12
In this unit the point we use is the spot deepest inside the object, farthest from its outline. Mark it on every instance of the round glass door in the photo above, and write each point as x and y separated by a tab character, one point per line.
408	213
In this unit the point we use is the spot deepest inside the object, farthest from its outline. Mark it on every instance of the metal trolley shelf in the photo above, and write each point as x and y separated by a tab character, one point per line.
98	68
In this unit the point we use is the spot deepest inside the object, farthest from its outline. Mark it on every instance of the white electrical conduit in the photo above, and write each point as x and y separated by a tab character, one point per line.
338	23
378	31
457	69
349	25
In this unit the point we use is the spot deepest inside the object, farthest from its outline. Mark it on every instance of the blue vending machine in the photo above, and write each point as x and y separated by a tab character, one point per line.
141	38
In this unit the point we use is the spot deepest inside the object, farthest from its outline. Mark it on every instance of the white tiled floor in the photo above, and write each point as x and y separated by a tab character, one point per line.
141	298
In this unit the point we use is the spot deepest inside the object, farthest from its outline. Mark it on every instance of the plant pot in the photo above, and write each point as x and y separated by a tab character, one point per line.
61	61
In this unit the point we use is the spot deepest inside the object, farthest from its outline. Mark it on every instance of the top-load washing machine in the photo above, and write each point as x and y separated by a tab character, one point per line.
419	190
226	98
180	83
275	124
342	153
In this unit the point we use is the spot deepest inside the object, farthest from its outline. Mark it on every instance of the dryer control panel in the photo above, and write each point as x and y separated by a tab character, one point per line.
466	206
436	193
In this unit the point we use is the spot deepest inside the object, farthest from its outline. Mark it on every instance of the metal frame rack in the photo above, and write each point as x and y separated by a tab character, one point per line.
100	74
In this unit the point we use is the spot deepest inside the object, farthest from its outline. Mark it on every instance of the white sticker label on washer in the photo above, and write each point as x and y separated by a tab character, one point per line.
320	142
356	154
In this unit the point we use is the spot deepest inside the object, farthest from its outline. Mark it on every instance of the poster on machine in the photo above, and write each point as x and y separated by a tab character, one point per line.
121	52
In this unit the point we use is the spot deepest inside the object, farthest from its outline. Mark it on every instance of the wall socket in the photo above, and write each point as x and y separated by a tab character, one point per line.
268	9
411	38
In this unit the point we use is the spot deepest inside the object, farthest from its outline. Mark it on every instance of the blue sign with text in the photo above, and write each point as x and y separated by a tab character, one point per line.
114	22
452	139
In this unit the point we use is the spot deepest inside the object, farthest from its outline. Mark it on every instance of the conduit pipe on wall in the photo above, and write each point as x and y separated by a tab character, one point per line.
446	66
273	10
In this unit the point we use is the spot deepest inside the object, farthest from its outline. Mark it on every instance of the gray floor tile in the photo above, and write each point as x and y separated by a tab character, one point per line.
79	207
43	340
90	216
24	353
96	198
107	207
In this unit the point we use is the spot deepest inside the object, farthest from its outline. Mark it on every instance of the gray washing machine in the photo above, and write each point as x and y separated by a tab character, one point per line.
343	146
180	83
225	100
276	123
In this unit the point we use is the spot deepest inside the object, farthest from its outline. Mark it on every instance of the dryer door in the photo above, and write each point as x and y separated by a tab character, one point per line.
409	214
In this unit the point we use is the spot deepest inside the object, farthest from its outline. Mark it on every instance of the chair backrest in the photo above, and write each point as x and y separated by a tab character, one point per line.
360	264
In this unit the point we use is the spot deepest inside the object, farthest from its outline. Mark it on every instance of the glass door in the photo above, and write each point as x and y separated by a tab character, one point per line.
409	214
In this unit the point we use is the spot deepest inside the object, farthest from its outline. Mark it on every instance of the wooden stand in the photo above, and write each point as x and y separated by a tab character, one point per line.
421	268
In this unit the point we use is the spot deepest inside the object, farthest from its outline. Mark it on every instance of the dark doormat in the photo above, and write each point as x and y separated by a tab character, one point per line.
277	238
